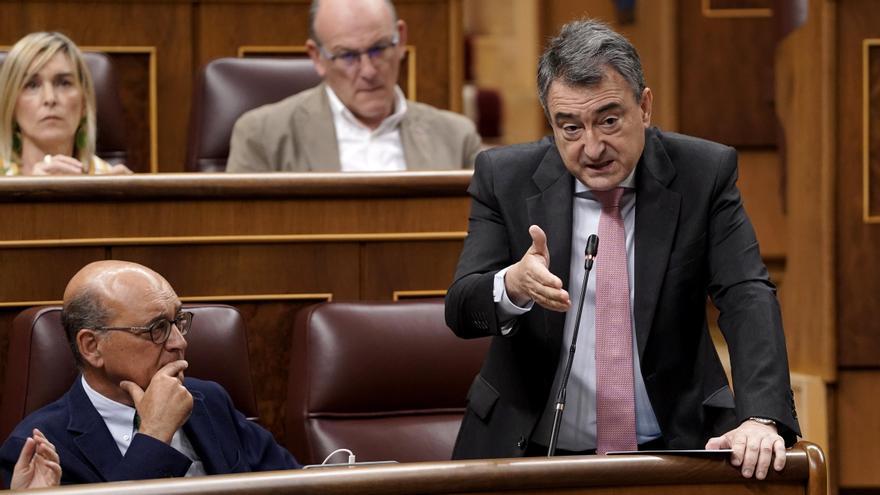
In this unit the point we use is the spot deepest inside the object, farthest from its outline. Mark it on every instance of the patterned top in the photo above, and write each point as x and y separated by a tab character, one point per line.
98	167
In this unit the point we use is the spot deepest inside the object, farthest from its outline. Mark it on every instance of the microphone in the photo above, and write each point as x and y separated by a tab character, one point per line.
589	256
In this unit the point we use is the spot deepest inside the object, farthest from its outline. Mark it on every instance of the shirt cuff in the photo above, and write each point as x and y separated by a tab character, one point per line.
505	310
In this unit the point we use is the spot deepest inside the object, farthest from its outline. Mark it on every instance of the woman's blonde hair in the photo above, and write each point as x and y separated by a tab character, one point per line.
37	49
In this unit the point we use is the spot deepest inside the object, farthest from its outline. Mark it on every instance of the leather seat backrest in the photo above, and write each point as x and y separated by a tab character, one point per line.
386	380
229	87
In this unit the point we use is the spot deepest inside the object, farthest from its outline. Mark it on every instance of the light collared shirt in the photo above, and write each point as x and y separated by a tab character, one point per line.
362	149
119	419
578	425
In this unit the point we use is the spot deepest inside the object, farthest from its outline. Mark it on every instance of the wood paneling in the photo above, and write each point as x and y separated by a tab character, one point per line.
831	284
407	266
760	184
275	24
858	285
505	42
41	274
858	429
726	77
188	33
436	62
275	269
871	148
806	103
739	4
133	78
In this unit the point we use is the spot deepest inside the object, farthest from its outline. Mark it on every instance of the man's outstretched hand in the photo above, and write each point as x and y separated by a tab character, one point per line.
530	279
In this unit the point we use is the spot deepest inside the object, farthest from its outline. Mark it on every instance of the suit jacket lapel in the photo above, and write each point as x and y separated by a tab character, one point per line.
657	212
89	432
317	143
416	140
200	431
551	210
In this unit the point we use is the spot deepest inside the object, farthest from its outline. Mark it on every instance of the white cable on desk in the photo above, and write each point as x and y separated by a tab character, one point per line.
351	457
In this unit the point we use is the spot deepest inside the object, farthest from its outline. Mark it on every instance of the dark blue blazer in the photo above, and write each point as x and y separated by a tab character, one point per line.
225	441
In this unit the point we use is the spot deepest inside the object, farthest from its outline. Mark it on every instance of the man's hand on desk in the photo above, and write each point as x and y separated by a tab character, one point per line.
754	446
530	279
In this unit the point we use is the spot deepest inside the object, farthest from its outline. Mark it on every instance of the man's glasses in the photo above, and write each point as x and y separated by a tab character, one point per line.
351	59
159	330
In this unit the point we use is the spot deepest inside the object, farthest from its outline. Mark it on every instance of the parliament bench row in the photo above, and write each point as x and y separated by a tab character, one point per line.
385	380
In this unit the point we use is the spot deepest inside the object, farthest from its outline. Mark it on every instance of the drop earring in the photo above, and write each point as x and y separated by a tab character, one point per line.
79	140
16	139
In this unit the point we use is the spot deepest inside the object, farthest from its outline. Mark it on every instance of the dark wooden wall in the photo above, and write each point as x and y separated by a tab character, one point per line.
857	240
726	73
158	48
829	94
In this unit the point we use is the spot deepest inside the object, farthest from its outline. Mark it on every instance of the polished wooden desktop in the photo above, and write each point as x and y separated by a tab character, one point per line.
656	474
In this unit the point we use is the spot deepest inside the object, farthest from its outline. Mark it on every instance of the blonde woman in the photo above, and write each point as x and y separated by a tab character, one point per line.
47	110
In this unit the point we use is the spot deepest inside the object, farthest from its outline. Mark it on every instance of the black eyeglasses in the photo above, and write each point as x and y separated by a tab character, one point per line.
350	59
159	330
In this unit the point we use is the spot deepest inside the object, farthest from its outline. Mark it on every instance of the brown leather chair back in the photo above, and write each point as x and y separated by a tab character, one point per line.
229	87
40	365
111	144
386	380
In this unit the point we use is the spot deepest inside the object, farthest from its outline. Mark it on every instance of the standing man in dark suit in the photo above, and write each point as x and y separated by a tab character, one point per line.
683	235
131	414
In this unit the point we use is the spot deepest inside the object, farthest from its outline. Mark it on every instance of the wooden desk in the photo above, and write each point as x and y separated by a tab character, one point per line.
267	244
804	473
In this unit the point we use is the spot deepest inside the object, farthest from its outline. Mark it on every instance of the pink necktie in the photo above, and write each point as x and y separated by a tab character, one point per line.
615	397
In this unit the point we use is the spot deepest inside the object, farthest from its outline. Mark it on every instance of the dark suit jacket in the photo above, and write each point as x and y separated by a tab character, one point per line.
225	441
692	239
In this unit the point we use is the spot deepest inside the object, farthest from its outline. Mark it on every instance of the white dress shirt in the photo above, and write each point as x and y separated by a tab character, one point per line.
578	426
119	419
362	149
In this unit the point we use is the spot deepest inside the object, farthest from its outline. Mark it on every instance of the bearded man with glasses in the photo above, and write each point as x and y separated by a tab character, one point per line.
357	119
132	414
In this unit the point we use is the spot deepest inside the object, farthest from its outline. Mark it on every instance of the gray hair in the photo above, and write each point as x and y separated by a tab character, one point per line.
579	54
83	310
313	13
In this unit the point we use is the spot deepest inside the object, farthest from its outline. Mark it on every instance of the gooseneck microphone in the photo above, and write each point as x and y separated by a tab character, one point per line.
589	256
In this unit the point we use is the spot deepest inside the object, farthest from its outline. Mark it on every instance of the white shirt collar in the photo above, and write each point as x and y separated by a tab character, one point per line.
340	111
118	417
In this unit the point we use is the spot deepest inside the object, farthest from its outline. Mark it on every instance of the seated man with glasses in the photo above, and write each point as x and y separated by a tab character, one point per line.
357	119
131	414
